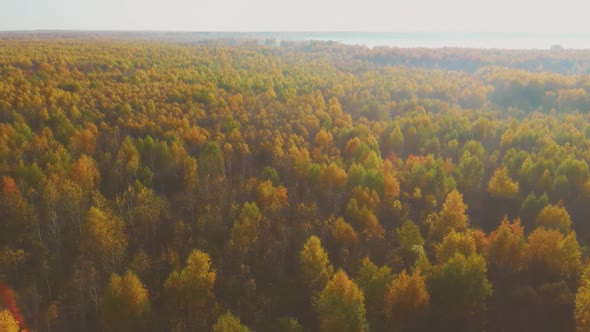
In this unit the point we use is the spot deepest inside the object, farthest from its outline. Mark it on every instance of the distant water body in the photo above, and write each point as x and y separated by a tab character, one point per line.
464	40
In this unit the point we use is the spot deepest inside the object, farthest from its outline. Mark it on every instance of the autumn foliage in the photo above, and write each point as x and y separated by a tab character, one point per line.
230	186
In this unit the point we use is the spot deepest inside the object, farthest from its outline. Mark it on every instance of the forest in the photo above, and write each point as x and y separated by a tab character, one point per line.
307	186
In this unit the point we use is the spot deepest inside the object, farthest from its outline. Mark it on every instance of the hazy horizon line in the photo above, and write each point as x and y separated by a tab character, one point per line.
311	31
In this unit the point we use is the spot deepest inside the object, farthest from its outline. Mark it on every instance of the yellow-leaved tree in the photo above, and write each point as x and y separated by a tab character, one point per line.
502	186
452	216
341	306
125	305
189	293
582	308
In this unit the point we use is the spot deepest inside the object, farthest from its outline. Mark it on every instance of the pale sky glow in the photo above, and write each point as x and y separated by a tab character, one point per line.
300	15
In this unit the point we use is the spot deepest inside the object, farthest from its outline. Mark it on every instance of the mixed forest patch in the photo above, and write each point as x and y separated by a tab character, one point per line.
162	186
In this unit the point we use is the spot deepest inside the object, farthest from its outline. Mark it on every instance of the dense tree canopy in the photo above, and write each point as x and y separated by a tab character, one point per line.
230	186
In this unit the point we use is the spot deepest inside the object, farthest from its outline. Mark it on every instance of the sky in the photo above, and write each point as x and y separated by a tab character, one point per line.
300	15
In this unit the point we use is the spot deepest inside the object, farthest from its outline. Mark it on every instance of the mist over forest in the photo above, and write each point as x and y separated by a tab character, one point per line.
164	181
